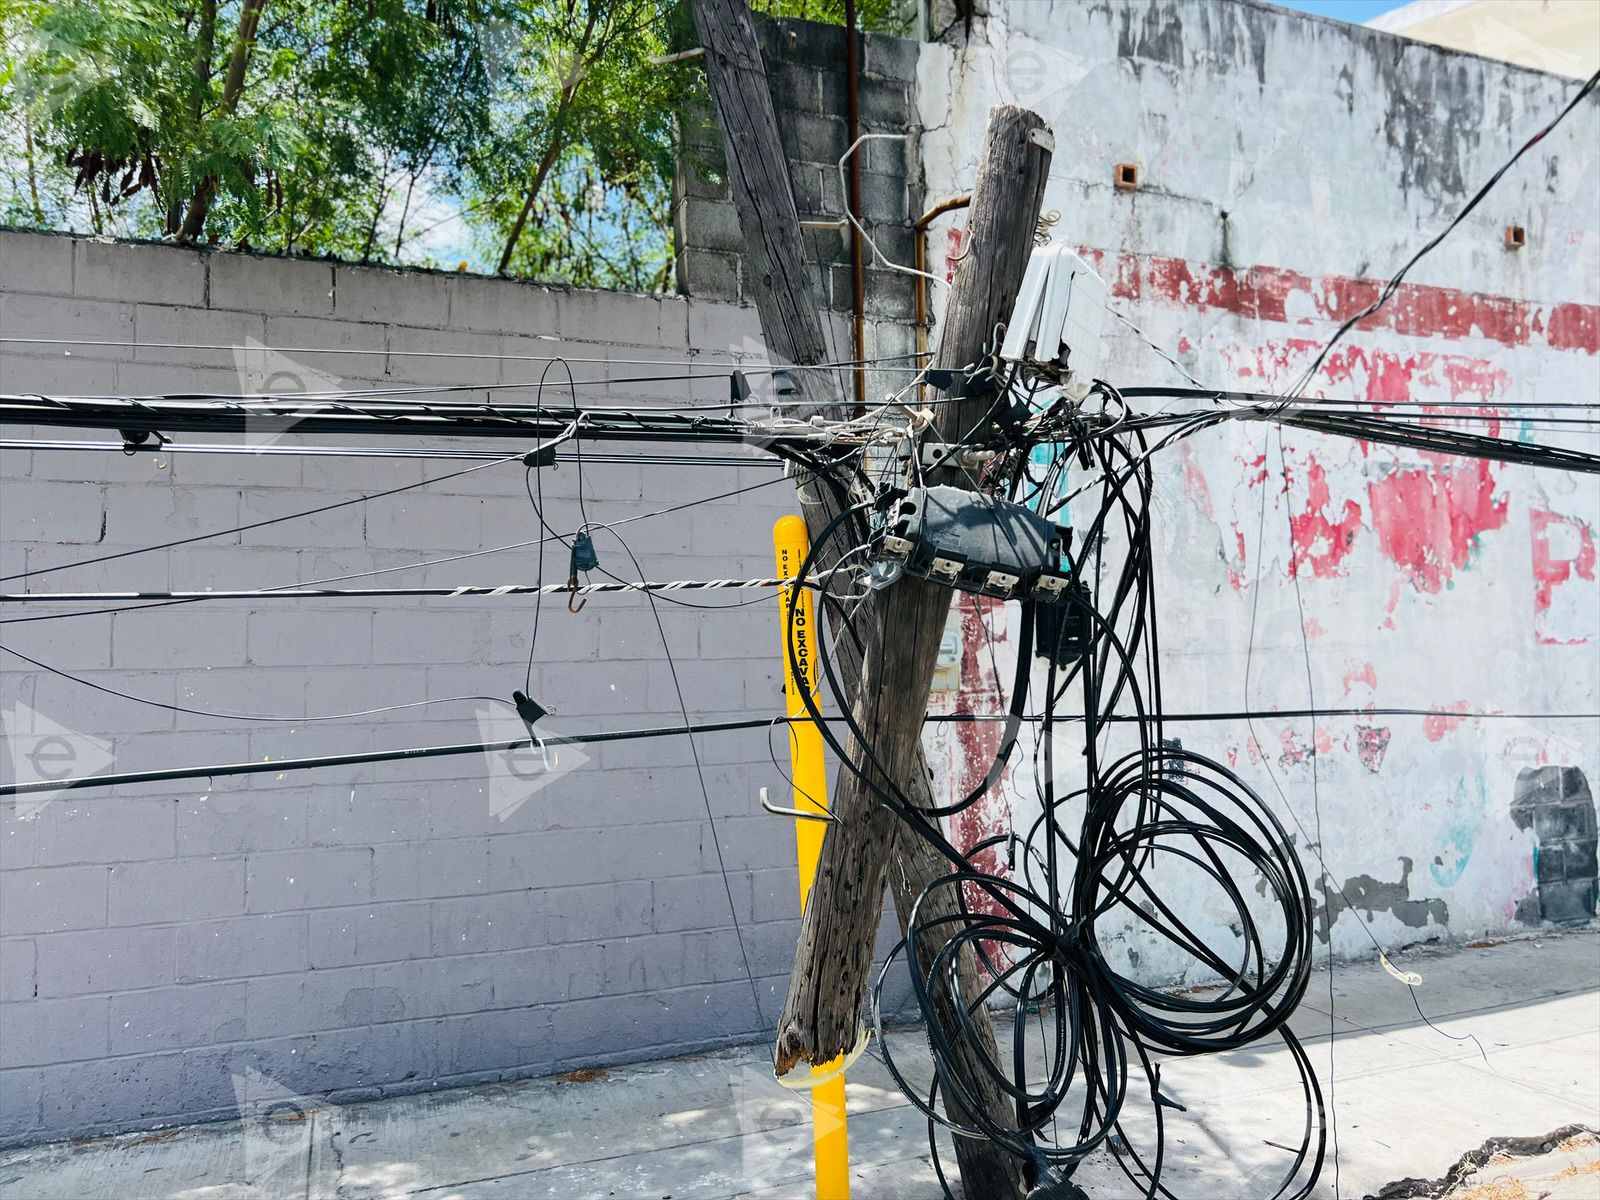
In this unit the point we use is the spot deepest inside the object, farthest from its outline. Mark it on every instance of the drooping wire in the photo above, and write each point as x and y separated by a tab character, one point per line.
1393	285
700	776
294	516
431	562
233	716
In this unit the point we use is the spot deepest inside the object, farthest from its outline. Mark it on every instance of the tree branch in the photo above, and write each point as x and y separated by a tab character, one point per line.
232	86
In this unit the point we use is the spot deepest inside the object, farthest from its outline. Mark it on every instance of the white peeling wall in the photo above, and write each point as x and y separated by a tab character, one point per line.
1289	165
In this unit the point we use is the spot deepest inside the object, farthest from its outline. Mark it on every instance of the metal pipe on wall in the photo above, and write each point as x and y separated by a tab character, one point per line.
919	261
858	278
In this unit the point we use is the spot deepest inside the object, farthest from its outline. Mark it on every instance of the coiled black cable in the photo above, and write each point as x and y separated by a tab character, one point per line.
1126	850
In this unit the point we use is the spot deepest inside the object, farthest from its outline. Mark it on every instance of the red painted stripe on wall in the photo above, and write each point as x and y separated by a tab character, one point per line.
1289	297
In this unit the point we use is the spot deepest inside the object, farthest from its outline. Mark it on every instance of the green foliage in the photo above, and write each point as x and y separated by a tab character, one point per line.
536	131
877	16
575	176
534	137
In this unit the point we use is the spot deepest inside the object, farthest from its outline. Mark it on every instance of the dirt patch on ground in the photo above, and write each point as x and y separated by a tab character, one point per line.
1562	1165
583	1075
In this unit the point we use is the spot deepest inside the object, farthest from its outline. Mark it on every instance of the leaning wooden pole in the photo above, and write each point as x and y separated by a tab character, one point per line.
830	971
780	285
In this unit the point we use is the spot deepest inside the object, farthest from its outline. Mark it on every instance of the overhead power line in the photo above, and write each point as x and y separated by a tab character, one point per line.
463	590
271	766
461	454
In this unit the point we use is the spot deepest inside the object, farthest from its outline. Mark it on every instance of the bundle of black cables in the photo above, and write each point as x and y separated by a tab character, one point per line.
1099	866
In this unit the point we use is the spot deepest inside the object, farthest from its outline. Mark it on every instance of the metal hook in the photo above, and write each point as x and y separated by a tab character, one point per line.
572	594
799	814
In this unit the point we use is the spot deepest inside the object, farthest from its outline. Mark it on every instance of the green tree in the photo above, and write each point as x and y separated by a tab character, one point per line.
539	133
267	122
344	127
588	157
878	16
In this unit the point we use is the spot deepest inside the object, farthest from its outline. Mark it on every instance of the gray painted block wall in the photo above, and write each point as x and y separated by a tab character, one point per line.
806	76
357	931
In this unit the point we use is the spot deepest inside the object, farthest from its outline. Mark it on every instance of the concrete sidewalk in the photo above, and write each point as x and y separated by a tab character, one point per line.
1409	1100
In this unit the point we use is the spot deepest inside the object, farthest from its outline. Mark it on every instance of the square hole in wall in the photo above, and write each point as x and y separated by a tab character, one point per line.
1516	237
1126	177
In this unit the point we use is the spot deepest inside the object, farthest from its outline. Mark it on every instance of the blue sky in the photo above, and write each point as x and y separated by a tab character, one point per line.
1354	11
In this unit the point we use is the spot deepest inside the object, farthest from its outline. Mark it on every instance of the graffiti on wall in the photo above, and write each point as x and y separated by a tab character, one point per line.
1555	803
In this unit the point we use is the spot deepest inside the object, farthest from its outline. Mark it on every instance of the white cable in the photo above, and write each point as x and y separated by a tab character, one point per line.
878	256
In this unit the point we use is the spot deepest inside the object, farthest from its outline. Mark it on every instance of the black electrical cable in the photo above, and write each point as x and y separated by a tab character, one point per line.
705	791
170	447
233	716
280	765
1180	806
551	536
294	516
1316	790
1393	285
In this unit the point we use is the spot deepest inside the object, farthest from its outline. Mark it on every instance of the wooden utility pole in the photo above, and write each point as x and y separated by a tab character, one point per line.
842	917
836	936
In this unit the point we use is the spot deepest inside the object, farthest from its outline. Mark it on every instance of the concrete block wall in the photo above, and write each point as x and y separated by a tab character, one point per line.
806	75
355	931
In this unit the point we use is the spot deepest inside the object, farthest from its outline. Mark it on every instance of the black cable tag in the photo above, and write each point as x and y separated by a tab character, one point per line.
530	710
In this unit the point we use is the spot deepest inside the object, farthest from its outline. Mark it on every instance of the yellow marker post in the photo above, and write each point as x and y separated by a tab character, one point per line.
791	543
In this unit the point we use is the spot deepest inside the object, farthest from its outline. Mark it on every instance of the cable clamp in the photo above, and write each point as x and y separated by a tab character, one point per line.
999	584
1050	587
583	559
939	454
531	712
738	393
133	440
896	549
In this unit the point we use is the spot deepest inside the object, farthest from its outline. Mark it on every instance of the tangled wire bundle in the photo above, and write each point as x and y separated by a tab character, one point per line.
1116	860
1044	950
